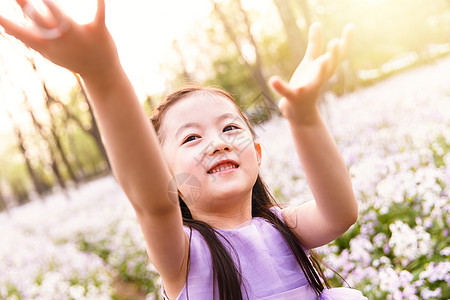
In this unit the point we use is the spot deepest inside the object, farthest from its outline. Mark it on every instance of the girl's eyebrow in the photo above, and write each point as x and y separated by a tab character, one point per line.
185	126
197	125
228	116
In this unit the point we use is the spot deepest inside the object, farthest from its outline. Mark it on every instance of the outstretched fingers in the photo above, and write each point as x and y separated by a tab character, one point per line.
57	13
46	26
31	12
332	56
337	51
346	38
19	32
314	48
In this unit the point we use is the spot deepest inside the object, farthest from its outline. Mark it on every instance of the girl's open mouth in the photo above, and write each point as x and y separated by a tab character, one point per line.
223	166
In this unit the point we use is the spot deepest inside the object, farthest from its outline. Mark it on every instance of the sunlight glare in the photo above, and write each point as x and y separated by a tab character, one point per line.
82	11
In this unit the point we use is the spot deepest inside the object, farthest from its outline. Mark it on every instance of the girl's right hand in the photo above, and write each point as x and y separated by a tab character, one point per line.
85	49
300	96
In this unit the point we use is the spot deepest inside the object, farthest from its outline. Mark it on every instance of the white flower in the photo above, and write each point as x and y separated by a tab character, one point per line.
427	293
389	280
409	243
445	251
437	271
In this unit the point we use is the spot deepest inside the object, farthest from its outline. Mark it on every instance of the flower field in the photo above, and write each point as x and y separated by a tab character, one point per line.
395	139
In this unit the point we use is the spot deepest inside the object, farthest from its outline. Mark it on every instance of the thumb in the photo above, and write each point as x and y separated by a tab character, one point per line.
100	14
281	87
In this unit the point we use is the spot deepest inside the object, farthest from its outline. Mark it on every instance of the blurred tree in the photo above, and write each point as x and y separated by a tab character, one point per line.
17	181
58	155
79	133
250	56
218	64
186	76
295	37
3	205
44	135
78	112
49	135
277	55
90	127
40	185
93	129
305	11
20	191
257	69
233	76
49	99
148	105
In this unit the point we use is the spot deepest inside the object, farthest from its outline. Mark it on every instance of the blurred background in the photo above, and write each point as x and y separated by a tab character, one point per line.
50	144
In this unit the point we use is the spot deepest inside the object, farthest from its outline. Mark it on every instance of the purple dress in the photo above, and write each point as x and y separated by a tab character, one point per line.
269	269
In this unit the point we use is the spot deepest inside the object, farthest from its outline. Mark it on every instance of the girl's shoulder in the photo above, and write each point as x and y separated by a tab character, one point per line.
280	211
277	209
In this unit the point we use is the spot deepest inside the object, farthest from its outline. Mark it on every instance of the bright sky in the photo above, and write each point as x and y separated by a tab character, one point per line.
143	31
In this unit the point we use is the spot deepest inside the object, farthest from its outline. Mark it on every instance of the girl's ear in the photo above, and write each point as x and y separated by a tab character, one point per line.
258	153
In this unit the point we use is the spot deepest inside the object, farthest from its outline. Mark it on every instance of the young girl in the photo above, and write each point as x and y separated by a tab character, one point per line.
211	228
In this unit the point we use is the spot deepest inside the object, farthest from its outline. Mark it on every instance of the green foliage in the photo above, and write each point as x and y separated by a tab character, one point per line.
83	151
232	75
278	57
385	28
82	148
78	107
14	172
130	260
13	292
440	148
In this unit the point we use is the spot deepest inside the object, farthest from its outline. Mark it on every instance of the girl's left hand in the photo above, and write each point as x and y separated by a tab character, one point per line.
86	49
299	102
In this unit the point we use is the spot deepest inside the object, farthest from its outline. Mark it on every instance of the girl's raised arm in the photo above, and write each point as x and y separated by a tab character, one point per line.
129	138
335	208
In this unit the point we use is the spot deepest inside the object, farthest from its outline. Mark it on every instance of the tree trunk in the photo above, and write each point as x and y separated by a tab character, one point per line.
304	8
186	75
76	160
40	130
256	68
3	205
39	184
94	132
295	37
56	138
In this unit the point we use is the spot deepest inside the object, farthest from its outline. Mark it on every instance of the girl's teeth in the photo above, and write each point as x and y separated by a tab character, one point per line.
226	167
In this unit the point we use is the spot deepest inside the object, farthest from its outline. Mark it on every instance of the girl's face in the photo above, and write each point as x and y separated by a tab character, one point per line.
210	151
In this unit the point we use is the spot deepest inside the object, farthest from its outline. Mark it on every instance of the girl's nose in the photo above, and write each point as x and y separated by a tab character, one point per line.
219	147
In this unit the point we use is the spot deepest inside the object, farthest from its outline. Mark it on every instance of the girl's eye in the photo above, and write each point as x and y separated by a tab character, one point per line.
190	138
230	127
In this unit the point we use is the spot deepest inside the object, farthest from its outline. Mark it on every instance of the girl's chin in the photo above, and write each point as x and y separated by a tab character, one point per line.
224	191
